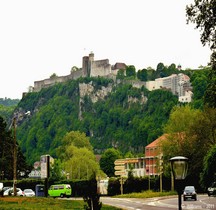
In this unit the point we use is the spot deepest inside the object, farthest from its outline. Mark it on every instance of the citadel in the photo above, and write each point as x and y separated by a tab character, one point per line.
178	84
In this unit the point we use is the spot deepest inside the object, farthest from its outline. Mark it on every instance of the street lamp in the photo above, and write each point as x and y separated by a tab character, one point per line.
179	166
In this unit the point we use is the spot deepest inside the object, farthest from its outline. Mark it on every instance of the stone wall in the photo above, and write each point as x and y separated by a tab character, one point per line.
100	68
38	85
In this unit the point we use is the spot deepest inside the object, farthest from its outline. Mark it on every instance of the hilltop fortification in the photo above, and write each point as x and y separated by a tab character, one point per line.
90	68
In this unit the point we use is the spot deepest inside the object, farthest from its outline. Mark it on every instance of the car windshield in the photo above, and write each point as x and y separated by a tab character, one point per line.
189	188
27	191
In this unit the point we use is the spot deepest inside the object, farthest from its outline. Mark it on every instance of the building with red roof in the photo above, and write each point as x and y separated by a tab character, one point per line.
154	157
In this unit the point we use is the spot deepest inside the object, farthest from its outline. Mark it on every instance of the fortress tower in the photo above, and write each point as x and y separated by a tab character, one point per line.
87	64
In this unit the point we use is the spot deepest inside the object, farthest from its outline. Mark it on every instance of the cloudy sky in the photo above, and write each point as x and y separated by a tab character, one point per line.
42	37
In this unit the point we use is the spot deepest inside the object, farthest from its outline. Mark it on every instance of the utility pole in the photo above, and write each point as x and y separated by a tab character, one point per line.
14	159
15	152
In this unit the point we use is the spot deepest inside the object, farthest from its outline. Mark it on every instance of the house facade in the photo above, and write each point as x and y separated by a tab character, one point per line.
154	157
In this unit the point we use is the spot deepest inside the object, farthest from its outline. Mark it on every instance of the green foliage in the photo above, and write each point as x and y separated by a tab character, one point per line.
76	154
202	13
120	74
7	107
210	94
107	161
57	171
142	75
82	163
6	112
131	71
6	154
75	139
9	102
209	171
115	121
26	203
191	133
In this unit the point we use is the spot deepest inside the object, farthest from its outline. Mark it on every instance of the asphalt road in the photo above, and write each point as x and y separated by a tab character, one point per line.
161	203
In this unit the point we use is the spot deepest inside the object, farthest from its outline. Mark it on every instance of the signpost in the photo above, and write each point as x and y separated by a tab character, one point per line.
45	170
120	170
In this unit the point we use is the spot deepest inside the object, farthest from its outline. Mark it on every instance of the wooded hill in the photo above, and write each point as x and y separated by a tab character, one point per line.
112	121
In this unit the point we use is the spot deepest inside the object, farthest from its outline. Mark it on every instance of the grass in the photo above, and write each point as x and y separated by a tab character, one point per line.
41	203
146	194
26	203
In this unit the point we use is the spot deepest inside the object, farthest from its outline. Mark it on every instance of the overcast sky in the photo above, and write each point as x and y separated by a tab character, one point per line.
42	37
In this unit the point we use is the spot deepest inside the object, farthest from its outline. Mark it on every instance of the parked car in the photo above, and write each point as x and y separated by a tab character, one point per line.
1	188
29	193
10	191
212	189
6	188
189	192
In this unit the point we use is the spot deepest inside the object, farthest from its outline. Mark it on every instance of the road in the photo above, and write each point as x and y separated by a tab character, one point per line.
162	203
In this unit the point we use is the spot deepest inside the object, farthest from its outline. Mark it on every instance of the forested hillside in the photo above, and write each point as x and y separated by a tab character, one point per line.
7	107
122	119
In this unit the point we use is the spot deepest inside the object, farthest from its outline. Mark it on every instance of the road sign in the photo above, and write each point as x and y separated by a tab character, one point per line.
120	173
119	162
119	167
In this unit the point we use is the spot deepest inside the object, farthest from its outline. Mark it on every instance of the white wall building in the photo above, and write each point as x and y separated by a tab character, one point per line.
178	84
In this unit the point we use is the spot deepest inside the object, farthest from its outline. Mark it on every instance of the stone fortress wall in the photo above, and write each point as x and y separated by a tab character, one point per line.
90	68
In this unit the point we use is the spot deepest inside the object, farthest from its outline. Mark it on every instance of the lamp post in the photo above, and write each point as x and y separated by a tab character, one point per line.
179	166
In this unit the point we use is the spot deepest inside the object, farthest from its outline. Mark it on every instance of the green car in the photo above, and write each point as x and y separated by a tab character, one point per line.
60	190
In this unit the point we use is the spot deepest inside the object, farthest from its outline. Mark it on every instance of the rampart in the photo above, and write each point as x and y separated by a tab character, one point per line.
90	67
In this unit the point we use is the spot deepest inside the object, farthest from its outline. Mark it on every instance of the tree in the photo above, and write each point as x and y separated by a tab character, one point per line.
53	76
5	150
178	140
210	94
73	138
107	161
131	71
142	75
203	13
190	133
209	170
82	163
6	154
77	156
160	70
56	171
120	74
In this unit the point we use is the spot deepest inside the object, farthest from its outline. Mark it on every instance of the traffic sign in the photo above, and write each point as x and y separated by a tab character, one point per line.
120	173
119	162
119	167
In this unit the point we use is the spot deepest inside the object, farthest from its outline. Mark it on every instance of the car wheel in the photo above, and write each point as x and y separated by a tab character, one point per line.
62	195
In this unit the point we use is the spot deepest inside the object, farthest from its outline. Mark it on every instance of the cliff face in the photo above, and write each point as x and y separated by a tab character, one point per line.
99	94
94	94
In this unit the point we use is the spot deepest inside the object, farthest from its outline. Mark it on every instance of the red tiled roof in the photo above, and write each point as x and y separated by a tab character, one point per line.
155	142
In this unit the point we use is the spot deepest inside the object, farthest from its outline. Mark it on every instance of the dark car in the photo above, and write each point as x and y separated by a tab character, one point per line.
189	192
212	189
